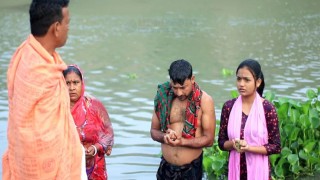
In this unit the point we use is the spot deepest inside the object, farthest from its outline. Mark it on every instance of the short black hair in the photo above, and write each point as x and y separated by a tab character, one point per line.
180	70
255	69
43	13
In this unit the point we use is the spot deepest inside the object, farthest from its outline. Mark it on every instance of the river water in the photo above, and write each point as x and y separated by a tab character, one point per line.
125	48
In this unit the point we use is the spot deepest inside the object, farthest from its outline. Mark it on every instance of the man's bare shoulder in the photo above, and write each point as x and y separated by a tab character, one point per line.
206	98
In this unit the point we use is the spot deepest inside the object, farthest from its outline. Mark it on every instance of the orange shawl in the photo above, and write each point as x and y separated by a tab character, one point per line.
42	139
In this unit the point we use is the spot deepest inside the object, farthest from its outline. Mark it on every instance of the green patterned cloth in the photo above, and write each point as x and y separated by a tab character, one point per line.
163	103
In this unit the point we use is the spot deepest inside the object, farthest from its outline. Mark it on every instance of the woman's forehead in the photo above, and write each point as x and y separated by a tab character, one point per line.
72	75
244	72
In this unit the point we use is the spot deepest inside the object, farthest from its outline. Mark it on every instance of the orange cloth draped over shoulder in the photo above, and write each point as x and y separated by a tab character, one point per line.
42	138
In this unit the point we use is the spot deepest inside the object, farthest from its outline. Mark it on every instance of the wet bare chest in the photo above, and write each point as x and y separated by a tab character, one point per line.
178	111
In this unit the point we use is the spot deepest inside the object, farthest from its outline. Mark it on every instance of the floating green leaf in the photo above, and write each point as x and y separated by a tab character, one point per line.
234	94
217	165
269	96
293	158
294	115
283	100
314	118
305	107
207	164
295	103
311	94
303	155
227	72
309	146
295	168
285	152
283	111
304	121
314	160
317	104
294	133
273	158
132	76
279	171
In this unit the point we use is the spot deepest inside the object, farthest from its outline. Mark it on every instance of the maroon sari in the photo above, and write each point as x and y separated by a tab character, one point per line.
94	128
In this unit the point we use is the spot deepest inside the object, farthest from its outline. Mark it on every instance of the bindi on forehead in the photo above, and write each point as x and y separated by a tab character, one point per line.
73	81
73	78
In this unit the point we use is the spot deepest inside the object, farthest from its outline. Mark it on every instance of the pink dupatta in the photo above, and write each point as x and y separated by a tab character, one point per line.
255	133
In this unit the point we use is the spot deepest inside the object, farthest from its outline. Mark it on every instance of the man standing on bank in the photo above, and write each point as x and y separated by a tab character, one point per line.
183	122
43	142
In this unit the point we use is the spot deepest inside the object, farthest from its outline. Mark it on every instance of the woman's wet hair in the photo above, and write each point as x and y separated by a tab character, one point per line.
72	69
255	69
179	71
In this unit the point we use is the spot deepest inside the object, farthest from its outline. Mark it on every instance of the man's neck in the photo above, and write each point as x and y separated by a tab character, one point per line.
46	44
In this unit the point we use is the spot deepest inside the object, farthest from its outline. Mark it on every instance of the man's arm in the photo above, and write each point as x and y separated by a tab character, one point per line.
156	133
208	125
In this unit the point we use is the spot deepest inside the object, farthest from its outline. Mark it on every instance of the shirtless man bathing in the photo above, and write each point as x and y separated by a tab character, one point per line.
183	122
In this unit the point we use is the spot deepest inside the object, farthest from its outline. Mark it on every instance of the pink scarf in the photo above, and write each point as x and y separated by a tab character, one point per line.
255	133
